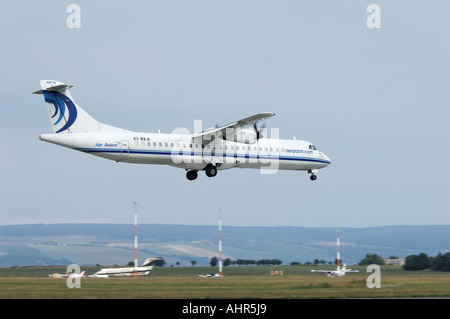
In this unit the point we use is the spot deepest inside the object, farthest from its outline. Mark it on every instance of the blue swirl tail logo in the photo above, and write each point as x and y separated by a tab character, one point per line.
65	109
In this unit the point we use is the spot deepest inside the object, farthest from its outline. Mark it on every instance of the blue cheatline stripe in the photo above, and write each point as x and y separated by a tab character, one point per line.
169	153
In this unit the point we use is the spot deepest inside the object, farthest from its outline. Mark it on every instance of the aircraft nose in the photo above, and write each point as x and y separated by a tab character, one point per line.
326	158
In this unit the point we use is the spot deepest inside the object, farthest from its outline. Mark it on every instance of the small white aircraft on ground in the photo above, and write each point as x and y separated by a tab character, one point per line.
72	275
339	272
126	271
219	148
211	275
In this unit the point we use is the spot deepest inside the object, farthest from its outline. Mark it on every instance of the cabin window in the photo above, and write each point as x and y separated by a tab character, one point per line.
172	145
160	144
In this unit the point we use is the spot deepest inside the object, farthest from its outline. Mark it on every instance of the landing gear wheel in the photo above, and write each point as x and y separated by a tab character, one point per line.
313	177
191	175
211	170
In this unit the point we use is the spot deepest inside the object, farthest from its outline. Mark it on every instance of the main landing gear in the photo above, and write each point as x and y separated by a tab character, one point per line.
210	171
191	175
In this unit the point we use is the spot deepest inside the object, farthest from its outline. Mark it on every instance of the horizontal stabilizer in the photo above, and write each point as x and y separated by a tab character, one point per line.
57	88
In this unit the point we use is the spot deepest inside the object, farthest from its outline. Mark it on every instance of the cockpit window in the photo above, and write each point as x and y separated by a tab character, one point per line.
312	147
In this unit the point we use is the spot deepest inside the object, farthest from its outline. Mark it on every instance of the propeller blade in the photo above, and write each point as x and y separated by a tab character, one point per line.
259	131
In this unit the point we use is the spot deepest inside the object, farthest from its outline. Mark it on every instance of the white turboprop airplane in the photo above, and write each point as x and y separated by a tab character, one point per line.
339	272
219	148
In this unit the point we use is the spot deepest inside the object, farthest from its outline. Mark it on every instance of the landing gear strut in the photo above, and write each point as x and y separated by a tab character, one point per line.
191	175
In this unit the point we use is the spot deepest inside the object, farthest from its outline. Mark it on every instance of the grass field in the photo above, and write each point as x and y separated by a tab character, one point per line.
238	283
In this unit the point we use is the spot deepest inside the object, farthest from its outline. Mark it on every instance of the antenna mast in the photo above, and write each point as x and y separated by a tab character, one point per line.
338	250
220	241
135	240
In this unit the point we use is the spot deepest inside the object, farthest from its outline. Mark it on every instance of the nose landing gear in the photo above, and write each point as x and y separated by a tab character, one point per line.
313	177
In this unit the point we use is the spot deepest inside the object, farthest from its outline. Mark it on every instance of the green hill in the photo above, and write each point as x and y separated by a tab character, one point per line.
113	244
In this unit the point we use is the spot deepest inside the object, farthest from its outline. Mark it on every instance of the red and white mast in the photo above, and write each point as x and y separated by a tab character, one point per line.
338	251
135	240
220	241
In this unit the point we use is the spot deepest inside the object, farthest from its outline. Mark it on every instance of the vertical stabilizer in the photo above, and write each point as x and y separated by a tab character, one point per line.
66	116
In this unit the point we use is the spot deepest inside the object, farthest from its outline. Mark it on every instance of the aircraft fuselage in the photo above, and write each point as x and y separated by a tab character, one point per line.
185	152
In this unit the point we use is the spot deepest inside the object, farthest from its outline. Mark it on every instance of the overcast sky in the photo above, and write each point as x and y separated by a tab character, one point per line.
376	101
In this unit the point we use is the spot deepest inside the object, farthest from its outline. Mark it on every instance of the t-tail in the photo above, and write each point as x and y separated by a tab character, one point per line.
65	115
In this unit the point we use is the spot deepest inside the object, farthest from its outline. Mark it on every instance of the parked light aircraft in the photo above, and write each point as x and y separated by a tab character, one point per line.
211	275
238	144
127	271
71	275
338	272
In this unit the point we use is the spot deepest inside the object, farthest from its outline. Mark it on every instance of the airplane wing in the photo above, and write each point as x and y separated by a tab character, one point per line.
58	276
327	271
206	135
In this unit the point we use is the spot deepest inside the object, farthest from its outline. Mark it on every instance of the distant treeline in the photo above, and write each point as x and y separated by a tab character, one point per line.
421	262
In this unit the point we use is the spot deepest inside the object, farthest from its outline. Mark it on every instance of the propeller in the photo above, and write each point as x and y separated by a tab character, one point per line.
259	131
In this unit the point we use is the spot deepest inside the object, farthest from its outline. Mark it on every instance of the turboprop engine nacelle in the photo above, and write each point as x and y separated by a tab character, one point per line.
241	136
